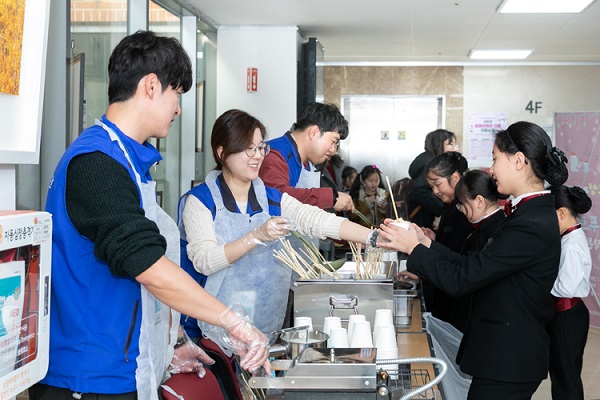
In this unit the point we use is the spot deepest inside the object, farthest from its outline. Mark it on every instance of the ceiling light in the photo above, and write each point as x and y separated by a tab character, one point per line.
499	54
543	6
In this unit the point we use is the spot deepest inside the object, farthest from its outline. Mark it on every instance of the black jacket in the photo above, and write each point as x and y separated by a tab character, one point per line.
421	194
511	281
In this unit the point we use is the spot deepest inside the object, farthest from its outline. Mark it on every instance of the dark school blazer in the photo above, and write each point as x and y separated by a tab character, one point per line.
510	279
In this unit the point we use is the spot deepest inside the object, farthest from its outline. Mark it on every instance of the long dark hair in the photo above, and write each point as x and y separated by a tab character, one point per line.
367	171
434	141
547	162
347	171
573	198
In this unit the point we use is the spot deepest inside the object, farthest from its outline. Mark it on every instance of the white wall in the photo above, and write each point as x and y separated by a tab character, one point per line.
509	89
7	183
273	50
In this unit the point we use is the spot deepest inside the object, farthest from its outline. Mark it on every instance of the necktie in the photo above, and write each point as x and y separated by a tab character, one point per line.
508	208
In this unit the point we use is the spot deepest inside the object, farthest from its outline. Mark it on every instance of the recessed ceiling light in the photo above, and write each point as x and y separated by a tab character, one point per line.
499	54
543	6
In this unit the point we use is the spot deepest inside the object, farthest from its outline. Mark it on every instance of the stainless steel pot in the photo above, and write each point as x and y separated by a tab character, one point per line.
296	341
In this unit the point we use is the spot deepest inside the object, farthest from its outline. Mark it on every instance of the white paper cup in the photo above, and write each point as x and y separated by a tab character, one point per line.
352	319
331	322
361	335
391	368
338	338
304	321
386	338
402	265
403	224
383	316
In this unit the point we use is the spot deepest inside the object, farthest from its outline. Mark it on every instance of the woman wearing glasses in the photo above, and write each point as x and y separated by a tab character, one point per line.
236	255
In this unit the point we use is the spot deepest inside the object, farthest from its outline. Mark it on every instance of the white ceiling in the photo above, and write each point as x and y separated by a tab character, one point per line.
437	31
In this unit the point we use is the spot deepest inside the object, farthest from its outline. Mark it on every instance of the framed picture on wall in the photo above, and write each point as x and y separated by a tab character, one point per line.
76	95
199	115
23	42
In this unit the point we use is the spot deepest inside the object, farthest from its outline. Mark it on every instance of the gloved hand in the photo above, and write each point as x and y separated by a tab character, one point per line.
243	338
188	357
271	229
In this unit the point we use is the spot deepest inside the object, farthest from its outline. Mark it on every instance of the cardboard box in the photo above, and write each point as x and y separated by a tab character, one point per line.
25	262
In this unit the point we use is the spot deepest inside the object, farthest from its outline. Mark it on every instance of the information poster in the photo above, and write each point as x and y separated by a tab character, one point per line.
12	278
578	134
482	128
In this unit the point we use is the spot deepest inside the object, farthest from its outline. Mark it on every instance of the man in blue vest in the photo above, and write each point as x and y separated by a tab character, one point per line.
115	252
312	140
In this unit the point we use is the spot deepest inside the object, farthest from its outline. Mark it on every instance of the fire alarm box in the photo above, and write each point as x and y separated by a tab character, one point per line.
25	259
252	80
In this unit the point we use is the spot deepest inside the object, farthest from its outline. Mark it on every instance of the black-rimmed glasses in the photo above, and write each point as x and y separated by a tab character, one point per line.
264	149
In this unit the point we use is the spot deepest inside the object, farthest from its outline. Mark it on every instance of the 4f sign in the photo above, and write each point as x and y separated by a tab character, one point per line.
252	80
533	106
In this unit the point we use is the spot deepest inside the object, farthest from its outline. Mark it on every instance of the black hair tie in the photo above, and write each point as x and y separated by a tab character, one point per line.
575	191
556	156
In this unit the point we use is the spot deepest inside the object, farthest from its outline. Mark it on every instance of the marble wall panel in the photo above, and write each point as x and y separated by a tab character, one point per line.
374	80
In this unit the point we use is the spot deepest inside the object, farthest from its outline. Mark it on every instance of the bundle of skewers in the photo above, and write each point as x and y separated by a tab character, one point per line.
367	266
309	263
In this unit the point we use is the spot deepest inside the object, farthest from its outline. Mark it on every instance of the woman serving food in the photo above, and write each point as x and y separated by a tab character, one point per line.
230	223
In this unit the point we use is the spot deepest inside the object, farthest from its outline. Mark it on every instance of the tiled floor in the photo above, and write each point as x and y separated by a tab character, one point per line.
590	374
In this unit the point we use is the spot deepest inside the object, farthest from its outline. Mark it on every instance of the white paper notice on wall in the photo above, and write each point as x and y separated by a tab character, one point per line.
12	286
480	137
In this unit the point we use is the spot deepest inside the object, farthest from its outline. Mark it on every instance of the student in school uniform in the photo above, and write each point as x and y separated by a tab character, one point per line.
505	347
443	173
568	329
477	198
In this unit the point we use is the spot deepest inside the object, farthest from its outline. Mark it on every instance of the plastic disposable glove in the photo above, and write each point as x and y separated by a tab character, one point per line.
188	357
270	230
241	337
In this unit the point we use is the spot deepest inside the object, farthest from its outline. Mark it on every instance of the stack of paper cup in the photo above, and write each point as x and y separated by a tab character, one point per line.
382	317
387	348
331	322
338	338
351	320
361	335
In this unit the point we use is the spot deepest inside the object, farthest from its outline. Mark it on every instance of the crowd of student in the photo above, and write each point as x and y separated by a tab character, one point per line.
504	281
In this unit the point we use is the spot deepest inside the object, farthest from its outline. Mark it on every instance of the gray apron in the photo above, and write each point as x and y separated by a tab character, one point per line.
307	180
257	281
159	329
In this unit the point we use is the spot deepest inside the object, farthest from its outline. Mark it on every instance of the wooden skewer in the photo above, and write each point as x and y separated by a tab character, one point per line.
392	196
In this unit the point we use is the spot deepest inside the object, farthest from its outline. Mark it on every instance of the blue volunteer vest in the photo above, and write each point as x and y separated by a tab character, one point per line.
286	146
95	315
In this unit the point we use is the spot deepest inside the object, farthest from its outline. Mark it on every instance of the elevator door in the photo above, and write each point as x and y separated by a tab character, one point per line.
389	131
